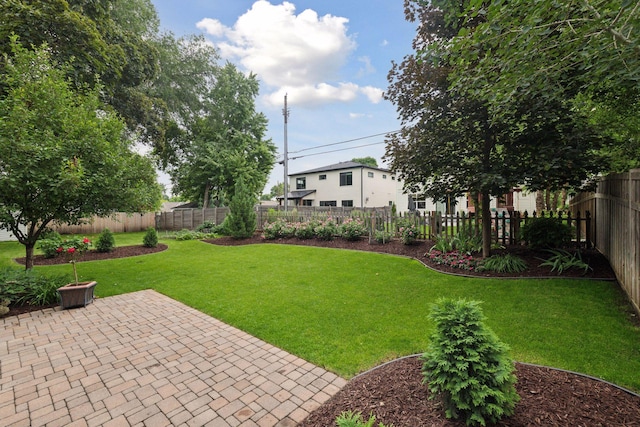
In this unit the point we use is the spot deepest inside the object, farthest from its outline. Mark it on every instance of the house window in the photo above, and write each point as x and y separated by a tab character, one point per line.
347	203
370	174
307	203
384	176
421	204
346	178
323	177
301	183
328	203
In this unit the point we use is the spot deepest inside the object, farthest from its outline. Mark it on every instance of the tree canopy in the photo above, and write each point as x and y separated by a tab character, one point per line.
152	79
585	53
450	144
225	143
63	155
369	161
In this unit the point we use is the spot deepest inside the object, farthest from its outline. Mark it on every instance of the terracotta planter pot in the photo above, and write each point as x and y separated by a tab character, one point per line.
79	295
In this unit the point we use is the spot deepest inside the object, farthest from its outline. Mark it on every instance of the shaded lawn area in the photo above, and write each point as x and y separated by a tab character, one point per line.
348	311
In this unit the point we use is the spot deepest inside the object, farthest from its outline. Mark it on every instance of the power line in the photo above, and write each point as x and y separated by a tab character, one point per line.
344	142
333	151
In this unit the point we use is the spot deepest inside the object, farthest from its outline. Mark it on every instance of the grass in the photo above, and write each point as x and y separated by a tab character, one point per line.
349	311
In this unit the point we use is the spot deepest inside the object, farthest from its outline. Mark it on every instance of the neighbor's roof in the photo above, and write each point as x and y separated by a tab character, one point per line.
296	194
339	166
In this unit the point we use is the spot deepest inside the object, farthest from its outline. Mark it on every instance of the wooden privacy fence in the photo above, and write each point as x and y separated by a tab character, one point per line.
117	223
616	228
189	219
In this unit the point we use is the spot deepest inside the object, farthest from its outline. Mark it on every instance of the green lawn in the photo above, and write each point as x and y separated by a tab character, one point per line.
349	311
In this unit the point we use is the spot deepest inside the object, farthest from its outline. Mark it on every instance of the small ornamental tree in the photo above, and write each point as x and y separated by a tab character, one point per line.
241	221
63	155
467	366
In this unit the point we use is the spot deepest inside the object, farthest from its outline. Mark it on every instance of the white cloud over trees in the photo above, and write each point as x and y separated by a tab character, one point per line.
301	55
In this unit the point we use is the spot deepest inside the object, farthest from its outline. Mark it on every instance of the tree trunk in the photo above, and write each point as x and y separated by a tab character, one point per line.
539	201
486	225
563	197
554	201
547	200
28	262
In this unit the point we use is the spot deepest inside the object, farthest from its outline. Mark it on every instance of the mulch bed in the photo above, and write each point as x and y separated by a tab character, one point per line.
601	268
94	255
394	392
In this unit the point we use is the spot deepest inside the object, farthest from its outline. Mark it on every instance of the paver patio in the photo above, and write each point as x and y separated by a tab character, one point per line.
143	359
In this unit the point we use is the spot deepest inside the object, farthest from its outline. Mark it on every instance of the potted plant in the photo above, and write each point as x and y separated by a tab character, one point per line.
76	294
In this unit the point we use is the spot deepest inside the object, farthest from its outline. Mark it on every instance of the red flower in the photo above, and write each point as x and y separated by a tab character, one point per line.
86	240
60	249
71	250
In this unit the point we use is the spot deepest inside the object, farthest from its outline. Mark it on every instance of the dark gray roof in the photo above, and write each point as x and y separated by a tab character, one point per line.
297	194
339	166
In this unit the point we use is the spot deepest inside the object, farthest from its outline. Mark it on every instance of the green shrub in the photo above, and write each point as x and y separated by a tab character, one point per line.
354	419
206	227
305	230
21	287
49	234
506	263
467	366
468	240
382	236
442	244
49	247
562	260
326	230
545	233
241	221
408	232
352	229
150	239
454	259
106	241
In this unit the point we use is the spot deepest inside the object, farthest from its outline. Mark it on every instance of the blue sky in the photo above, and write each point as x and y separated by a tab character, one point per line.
331	57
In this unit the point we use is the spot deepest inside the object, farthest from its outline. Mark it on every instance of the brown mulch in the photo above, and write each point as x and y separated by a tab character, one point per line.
599	264
394	392
94	255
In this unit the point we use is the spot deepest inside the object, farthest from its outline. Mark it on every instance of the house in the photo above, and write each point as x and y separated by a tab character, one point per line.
515	200
346	184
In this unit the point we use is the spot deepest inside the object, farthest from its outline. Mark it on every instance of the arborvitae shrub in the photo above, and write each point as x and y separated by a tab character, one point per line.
241	221
546	233
150	239
106	242
467	366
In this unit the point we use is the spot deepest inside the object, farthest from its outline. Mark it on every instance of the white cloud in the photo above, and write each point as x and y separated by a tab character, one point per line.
373	93
299	54
314	95
384	43
367	68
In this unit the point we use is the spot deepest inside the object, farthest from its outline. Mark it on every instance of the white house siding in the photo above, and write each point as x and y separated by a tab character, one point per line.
364	191
8	236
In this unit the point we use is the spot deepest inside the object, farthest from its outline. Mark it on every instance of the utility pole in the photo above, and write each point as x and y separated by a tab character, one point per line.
285	113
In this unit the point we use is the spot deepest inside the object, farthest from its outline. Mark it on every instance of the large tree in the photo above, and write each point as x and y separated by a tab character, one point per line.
63	155
583	52
152	79
449	144
226	143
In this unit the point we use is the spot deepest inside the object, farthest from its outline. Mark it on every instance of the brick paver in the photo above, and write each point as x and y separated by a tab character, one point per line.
145	359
